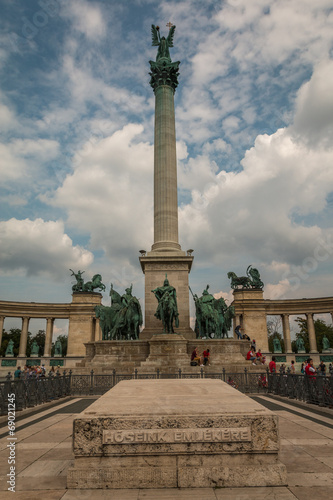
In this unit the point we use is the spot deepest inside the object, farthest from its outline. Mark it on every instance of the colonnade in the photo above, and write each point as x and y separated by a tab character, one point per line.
251	311
95	328
240	319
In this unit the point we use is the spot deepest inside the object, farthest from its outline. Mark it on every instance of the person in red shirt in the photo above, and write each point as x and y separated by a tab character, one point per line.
310	369
251	355
206	355
272	365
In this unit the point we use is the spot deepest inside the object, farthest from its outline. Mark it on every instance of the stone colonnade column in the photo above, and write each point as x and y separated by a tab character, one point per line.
311	331
2	320
286	333
243	323
235	322
48	337
24	337
97	330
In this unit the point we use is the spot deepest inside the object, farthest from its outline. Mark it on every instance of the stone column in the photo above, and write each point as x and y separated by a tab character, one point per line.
98	333
2	320
236	322
48	337
24	337
286	333
311	331
243	324
166	255
165	172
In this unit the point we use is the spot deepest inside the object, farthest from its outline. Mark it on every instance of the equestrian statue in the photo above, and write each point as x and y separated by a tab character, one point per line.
167	309
213	316
251	281
123	319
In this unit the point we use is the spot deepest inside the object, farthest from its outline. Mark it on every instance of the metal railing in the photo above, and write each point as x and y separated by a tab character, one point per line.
37	390
316	390
25	393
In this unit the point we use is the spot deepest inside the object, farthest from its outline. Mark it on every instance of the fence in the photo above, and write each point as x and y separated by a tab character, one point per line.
34	391
316	390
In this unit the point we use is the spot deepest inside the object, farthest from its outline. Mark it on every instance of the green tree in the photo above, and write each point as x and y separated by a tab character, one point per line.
321	329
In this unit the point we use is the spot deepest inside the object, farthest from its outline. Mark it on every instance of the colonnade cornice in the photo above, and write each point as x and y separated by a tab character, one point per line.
34	310
320	305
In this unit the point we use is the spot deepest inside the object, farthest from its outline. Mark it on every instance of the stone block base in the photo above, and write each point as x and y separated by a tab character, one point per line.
207	471
175	434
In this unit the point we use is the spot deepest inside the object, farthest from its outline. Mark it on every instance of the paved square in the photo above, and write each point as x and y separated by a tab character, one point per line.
44	454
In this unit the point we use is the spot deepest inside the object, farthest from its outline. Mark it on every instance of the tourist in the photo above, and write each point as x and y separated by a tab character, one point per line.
330	369
253	344
282	369
292	367
231	382
272	365
310	369
238	333
262	381
302	369
259	355
17	373
206	355
322	368
246	337
251	356
195	358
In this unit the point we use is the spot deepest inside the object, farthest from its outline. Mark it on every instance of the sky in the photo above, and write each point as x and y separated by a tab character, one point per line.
254	126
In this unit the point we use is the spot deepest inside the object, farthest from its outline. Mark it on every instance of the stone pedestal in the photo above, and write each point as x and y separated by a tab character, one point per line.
177	266
82	321
167	352
121	355
250	307
175	434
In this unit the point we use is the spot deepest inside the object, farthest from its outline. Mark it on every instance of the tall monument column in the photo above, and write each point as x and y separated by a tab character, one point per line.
165	172
166	255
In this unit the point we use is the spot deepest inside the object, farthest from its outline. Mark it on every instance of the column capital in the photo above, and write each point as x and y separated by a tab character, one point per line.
164	73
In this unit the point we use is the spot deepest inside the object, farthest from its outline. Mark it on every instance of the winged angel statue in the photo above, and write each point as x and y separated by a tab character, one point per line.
162	43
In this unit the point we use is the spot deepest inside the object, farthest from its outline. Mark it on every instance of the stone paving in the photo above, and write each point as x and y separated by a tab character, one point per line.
43	455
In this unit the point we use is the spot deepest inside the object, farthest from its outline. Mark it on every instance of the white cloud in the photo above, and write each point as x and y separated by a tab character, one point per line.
314	108
110	194
39	247
21	158
254	212
85	18
7	118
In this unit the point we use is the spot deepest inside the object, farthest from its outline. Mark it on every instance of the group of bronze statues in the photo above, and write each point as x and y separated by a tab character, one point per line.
123	319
